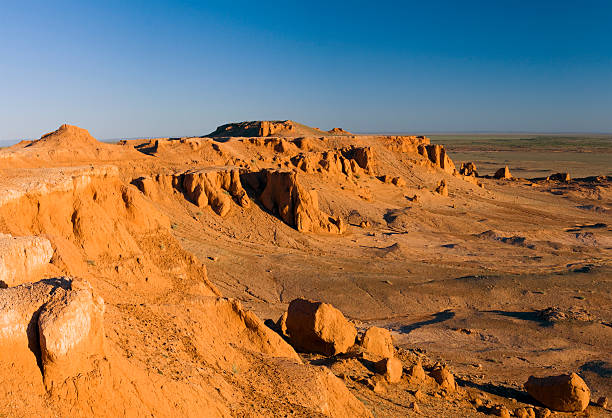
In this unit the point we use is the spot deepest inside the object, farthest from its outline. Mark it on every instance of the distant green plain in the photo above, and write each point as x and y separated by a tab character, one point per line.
532	155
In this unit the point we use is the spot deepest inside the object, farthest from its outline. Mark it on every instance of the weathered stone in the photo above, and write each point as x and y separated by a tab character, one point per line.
319	328
390	368
444	378
566	393
377	343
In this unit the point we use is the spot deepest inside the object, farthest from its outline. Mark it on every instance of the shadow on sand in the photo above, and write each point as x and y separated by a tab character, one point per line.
499	390
437	318
525	316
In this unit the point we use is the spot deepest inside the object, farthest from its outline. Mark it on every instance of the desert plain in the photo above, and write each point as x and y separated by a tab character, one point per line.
159	277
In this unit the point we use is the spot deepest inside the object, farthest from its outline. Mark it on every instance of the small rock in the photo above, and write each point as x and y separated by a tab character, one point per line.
398	181
543	413
415	407
500	411
390	368
419	395
566	393
377	385
525	412
444	377
602	402
442	188
416	374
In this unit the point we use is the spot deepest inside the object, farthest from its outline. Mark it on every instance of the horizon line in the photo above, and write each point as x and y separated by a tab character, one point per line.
400	132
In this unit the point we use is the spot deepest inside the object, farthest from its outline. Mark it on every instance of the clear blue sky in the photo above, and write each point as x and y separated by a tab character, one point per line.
158	68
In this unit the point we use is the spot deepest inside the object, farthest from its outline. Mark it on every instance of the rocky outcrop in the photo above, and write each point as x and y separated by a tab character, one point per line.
437	156
563	177
21	258
54	324
377	343
442	188
468	169
349	161
318	327
255	128
566	392
503	173
215	188
404	144
294	205
71	332
338	131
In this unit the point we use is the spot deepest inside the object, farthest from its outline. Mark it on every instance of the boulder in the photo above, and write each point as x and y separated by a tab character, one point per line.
22	258
377	343
318	328
390	368
503	173
566	392
444	378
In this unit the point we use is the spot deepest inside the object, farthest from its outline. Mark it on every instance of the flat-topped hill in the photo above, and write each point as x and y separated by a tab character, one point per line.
262	128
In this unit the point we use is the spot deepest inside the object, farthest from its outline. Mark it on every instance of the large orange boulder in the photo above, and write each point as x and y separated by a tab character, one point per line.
566	392
377	343
318	328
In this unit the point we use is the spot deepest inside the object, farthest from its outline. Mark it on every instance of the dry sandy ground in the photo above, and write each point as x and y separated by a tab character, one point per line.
467	279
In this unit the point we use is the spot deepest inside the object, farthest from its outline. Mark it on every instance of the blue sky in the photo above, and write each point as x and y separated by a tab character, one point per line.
173	68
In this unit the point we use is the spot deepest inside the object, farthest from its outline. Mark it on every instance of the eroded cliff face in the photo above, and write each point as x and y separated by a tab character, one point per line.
141	307
297	207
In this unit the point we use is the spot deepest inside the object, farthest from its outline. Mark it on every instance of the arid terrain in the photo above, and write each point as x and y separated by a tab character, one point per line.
137	276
